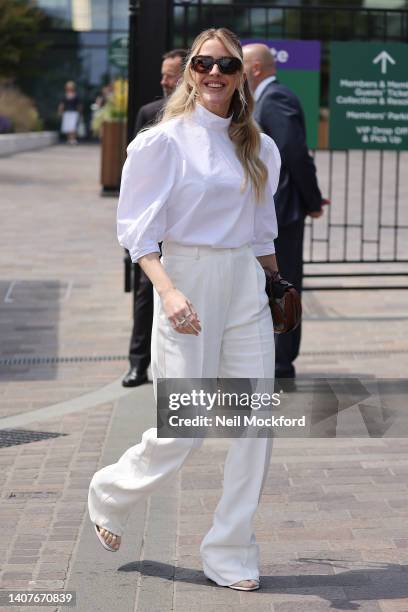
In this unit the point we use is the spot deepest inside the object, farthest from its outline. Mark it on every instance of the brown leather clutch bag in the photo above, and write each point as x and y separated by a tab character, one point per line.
284	302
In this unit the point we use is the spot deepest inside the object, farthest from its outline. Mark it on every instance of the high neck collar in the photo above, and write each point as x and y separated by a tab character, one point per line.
210	120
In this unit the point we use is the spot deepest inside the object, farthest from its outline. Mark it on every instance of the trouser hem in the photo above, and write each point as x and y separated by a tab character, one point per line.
215	577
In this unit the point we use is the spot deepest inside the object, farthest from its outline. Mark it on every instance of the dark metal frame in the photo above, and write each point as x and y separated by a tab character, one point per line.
150	28
305	12
395	229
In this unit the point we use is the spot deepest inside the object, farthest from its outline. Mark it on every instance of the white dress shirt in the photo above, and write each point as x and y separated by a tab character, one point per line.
181	183
259	88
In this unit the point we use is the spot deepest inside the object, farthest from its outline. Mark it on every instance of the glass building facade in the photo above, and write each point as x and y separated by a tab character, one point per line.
78	49
83	31
96	23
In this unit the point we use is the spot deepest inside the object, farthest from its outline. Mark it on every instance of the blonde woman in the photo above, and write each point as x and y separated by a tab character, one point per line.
202	181
69	109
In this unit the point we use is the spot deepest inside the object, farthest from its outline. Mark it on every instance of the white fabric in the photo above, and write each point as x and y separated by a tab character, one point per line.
238	342
181	183
259	88
69	121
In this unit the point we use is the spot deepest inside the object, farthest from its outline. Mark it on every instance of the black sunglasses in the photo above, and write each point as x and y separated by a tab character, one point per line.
204	64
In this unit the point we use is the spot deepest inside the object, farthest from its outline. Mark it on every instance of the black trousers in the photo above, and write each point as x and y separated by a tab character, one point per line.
289	254
139	350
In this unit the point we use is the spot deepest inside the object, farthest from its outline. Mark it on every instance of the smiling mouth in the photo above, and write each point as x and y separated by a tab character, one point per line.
214	85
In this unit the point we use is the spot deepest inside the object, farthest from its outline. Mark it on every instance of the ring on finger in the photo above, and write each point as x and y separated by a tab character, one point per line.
185	318
181	321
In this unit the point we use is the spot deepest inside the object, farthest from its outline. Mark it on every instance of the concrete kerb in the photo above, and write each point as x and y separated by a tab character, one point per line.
109	393
27	141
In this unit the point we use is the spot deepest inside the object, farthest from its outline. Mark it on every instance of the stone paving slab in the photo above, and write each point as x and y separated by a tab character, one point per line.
313	561
68	301
300	566
332	520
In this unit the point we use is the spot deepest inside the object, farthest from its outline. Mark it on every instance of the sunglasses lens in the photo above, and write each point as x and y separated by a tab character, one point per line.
202	64
229	65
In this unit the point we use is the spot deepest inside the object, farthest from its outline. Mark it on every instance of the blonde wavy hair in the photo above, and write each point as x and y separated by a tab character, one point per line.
243	130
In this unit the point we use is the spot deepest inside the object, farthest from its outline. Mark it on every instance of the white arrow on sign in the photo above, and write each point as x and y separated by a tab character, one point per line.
383	57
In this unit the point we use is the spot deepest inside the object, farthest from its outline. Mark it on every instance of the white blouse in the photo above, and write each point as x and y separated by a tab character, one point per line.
181	183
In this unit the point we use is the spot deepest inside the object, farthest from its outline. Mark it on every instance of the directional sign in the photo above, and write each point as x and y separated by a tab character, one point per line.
118	52
298	67
368	96
384	58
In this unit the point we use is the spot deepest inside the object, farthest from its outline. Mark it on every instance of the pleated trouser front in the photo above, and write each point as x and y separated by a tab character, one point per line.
227	288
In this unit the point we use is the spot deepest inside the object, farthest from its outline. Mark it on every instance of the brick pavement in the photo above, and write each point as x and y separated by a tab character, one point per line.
61	271
332	521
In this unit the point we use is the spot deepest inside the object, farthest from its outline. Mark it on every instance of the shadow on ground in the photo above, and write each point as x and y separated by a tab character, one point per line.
378	581
29	315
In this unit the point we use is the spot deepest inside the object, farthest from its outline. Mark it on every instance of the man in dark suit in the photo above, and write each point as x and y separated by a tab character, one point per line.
279	114
139	350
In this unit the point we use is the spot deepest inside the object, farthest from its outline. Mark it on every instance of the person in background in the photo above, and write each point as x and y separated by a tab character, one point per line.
139	349
279	114
102	98
70	109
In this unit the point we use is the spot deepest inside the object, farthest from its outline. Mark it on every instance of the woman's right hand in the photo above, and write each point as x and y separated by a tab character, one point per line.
180	312
178	309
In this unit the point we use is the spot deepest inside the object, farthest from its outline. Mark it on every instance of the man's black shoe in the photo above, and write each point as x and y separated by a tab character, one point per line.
286	385
288	373
134	378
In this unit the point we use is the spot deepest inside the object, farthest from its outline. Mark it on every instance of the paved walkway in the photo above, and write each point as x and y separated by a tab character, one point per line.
332	521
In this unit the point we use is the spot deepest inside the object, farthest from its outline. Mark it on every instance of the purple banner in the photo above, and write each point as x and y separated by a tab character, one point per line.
292	54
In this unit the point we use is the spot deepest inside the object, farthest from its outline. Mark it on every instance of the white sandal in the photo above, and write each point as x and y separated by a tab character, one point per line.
102	540
239	586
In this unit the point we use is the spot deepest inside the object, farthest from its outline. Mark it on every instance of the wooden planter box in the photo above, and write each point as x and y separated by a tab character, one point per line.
113	154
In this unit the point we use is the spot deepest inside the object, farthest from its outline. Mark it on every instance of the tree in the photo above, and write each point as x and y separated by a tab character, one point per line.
22	25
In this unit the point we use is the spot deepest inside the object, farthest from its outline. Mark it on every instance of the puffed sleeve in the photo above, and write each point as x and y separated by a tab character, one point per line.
266	226
148	176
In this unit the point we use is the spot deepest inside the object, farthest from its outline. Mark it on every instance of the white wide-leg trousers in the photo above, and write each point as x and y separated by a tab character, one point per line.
227	288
